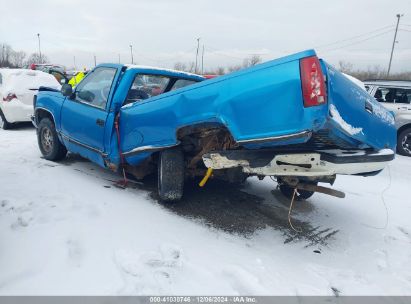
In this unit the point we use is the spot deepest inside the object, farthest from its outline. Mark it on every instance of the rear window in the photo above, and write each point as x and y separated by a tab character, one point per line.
145	86
181	83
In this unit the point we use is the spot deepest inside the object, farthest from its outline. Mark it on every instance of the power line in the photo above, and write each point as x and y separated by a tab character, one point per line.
354	37
360	41
217	52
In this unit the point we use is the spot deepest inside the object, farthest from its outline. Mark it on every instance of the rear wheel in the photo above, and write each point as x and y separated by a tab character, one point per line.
404	142
4	124
171	175
49	143
301	195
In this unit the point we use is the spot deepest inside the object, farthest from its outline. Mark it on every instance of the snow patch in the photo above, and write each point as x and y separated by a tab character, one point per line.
146	67
22	81
342	123
80	238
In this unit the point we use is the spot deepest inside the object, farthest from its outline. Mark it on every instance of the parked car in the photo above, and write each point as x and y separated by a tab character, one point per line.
295	118
210	76
45	67
58	71
17	89
396	97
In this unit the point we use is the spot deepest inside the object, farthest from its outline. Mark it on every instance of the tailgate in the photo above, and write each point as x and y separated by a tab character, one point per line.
356	116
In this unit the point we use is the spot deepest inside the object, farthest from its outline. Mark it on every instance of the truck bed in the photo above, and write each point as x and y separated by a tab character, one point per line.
262	107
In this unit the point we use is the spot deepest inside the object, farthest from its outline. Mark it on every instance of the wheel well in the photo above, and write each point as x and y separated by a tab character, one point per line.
201	136
199	128
196	140
403	128
40	114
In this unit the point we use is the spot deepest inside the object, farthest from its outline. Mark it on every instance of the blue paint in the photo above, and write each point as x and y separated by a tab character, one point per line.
258	102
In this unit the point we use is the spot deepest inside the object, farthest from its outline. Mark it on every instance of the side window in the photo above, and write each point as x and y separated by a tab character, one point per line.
383	94
181	83
403	96
95	89
145	86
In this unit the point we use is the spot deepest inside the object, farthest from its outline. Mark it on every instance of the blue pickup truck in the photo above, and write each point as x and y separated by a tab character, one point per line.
295	118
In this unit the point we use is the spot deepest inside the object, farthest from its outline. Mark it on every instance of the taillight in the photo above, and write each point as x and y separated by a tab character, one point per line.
9	97
312	81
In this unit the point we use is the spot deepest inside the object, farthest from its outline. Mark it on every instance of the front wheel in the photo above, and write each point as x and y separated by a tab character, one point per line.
404	142
301	195
171	175
4	124
49	143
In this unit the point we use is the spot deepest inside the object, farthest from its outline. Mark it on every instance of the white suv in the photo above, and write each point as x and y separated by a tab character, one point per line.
17	89
396	97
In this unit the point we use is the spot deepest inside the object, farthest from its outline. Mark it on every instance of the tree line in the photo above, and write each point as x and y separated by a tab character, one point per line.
10	58
374	72
191	68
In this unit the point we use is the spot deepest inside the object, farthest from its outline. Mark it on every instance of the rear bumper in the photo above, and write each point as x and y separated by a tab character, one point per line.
315	163
16	111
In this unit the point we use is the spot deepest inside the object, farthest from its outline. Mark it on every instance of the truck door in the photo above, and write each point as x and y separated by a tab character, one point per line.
83	116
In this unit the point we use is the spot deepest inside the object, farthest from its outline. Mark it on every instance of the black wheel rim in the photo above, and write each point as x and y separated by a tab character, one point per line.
46	140
406	143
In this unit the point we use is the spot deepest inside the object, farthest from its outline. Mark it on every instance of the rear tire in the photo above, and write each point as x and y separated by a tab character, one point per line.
171	175
4	124
49	143
404	142
301	195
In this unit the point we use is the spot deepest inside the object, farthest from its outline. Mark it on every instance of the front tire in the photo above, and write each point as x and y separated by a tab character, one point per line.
171	175
404	142
4	124
49	143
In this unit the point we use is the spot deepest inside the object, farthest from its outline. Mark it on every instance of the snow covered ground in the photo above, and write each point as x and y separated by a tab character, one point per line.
65	230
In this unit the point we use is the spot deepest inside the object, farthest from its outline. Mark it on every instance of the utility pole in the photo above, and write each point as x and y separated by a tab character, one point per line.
74	60
393	43
95	60
38	36
198	46
202	61
119	60
131	52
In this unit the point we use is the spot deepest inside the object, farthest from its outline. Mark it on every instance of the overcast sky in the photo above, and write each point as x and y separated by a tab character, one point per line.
163	32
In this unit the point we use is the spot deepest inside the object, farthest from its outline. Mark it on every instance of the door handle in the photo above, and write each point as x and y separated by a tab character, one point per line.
368	107
100	122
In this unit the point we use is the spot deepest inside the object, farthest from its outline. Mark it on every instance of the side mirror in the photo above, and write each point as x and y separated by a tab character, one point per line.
66	90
